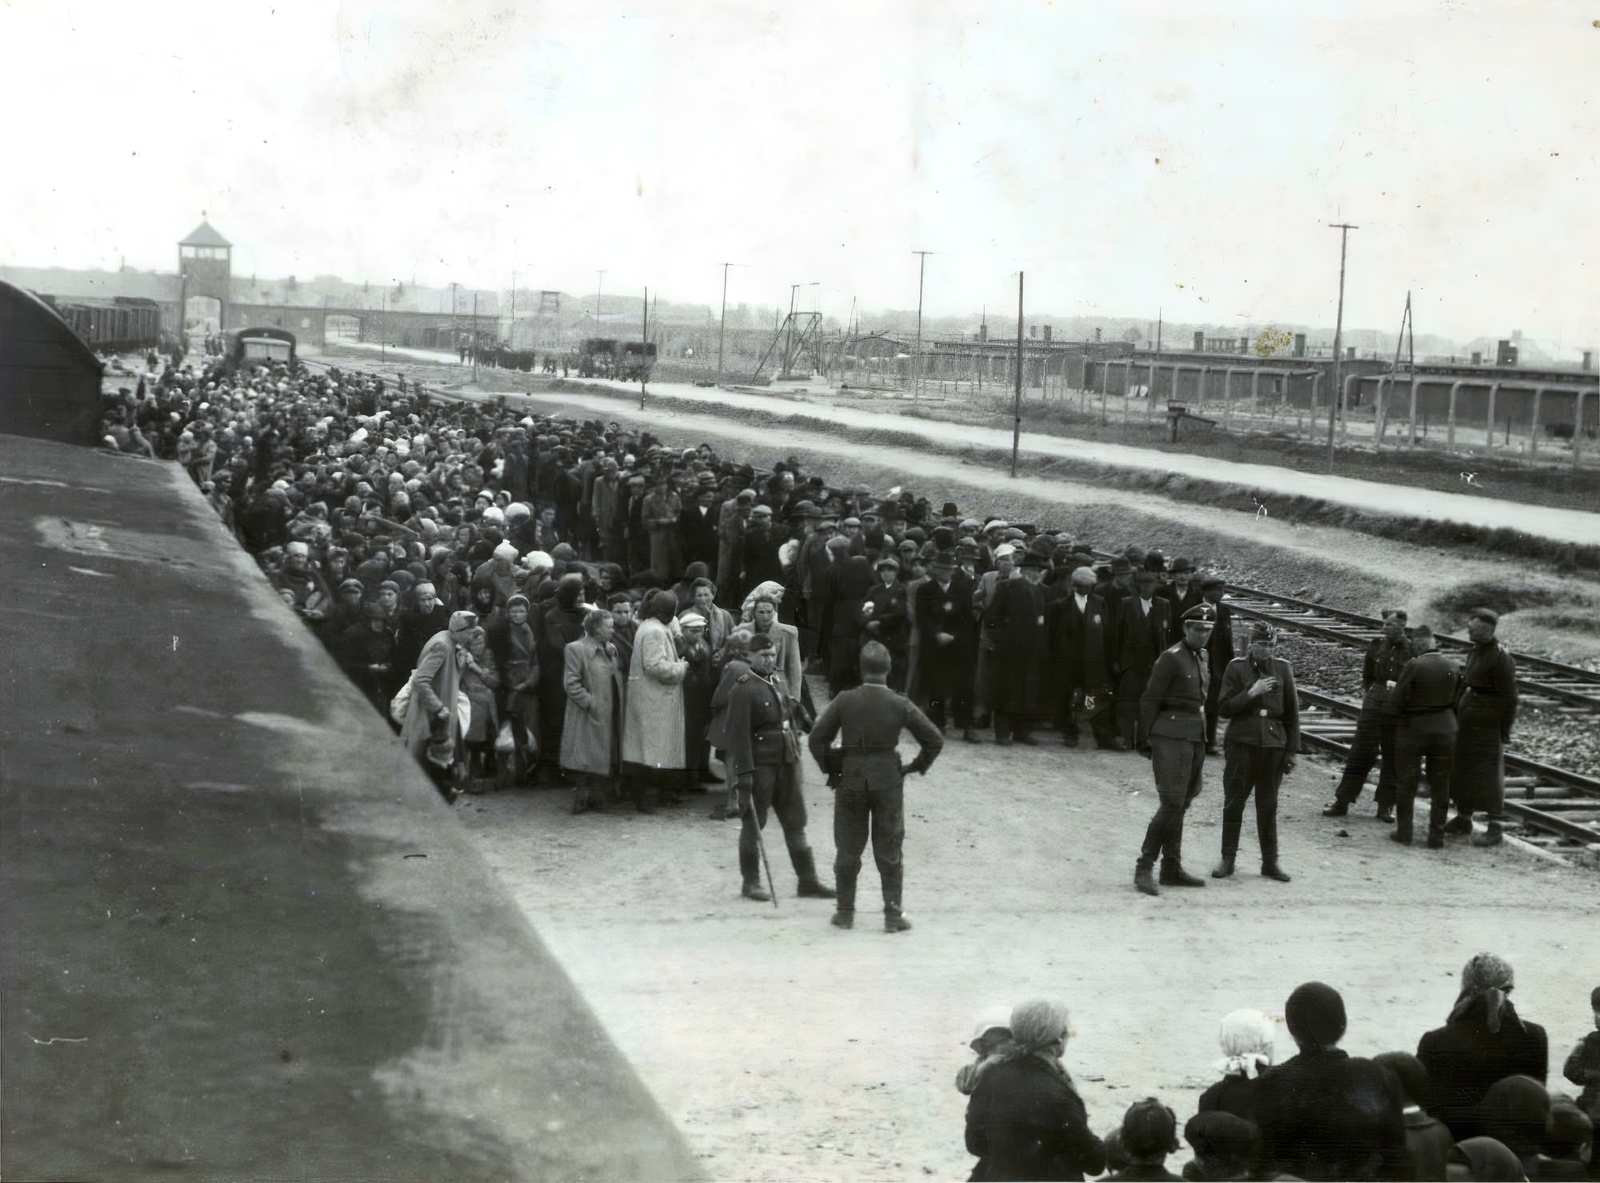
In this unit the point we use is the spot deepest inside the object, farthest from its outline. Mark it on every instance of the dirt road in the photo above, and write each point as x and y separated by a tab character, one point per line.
786	1049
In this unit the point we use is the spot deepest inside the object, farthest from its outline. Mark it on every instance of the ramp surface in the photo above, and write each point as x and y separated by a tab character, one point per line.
243	937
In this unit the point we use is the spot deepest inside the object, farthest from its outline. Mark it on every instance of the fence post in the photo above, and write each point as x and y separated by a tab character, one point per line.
1455	387
1488	433
1533	427
1411	425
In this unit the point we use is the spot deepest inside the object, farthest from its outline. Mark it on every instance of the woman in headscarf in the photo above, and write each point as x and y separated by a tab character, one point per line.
515	651
596	691
1483	1040
1025	1119
653	750
431	713
1247	1038
760	611
1483	1158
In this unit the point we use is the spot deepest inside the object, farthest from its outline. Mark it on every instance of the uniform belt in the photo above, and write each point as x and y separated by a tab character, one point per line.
864	750
1182	708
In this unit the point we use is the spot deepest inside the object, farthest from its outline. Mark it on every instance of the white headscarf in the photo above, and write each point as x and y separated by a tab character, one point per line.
1246	1037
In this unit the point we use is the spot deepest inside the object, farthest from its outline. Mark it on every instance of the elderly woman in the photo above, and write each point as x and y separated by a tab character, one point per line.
1246	1037
760	610
1483	1040
1025	1119
596	691
653	750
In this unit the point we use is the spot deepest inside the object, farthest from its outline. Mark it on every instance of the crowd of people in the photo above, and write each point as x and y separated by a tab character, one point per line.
1470	1103
532	598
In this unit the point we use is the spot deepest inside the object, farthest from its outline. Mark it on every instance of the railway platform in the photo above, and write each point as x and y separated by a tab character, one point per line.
243	937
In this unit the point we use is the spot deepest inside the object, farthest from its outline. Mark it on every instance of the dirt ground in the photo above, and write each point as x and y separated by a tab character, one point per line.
787	1049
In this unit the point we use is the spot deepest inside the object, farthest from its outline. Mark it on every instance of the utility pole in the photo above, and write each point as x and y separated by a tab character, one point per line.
723	331
1336	395
922	268
383	333
1016	409
644	349
455	333
597	286
1158	333
474	334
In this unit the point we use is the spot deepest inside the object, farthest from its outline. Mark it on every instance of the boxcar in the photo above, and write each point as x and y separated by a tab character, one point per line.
49	377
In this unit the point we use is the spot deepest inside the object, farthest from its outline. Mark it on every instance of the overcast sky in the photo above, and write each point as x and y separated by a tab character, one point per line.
1128	157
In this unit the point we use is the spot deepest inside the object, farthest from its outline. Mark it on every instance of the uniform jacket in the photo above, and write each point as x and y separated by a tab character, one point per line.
1271	720
762	725
1381	666
1425	694
596	692
1328	1115
1024	1121
652	734
1491	694
1173	703
869	720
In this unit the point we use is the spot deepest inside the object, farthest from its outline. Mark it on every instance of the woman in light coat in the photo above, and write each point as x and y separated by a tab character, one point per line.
760	610
653	748
434	685
596	692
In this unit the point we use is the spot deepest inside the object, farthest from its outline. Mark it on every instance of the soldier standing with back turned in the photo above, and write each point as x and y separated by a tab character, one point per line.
868	781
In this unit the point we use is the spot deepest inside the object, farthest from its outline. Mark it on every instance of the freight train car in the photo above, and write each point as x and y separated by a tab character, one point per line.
114	326
49	377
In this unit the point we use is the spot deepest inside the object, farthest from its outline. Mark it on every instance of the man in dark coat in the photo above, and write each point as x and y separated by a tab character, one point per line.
1080	643
1424	699
1488	708
1374	740
1016	635
869	782
1325	1114
886	619
1259	700
1484	1040
1172	733
1144	629
697	528
764	763
946	644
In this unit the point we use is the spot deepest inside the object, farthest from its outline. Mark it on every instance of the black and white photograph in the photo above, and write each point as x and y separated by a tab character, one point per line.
721	591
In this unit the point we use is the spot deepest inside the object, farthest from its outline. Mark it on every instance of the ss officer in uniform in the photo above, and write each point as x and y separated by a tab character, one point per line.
1425	698
764	761
1261	705
1172	732
1484	716
868	780
1374	741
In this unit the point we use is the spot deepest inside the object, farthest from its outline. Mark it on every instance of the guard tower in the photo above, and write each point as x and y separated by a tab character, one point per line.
205	268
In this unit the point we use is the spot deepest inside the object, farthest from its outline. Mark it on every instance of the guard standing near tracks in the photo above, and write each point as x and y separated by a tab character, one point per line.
1172	732
1374	740
1488	708
1424	698
1259	700
764	761
868	780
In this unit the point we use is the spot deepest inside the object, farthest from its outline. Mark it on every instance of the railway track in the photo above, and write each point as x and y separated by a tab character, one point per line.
1558	810
1569	685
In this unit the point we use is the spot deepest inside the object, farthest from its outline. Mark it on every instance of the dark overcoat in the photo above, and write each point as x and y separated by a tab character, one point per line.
1025	1121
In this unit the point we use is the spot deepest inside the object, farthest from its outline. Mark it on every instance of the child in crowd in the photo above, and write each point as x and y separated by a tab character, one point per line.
1568	1141
988	1041
1428	1141
1583	1065
1225	1146
1149	1133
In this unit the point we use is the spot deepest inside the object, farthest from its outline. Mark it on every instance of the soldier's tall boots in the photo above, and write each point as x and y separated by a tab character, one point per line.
844	882
1404	808
750	872
1144	876
1172	872
893	882
805	868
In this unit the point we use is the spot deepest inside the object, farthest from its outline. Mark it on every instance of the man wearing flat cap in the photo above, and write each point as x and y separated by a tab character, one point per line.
1015	643
1488	708
1259	700
886	619
1172	733
1080	644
